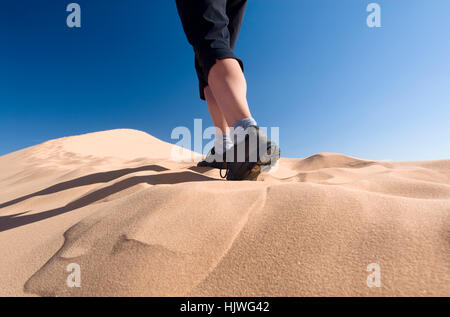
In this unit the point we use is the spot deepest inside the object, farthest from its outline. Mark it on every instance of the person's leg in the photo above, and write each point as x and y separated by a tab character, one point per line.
212	27
217	116
227	82
222	141
231	69
228	73
208	24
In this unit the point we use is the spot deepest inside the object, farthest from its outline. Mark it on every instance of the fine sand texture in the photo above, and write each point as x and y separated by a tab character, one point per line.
140	224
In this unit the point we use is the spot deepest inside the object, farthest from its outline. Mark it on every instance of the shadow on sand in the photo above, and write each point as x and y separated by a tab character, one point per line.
102	177
21	219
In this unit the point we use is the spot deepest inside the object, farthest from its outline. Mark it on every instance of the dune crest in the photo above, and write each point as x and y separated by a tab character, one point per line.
139	224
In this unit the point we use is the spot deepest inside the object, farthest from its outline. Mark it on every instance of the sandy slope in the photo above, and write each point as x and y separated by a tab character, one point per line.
140	224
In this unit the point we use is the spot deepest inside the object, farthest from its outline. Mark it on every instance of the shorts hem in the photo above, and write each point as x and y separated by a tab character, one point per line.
207	61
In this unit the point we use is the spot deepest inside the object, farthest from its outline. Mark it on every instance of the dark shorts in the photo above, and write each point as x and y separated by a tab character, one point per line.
212	28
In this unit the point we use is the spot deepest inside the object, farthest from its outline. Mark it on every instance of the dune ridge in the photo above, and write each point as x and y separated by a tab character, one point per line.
139	224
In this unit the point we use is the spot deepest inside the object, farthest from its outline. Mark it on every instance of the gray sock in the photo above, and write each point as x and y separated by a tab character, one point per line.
240	128
222	143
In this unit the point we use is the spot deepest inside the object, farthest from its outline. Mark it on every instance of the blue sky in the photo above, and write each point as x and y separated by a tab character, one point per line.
313	68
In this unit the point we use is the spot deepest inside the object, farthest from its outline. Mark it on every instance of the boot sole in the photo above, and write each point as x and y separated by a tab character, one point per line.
215	165
263	165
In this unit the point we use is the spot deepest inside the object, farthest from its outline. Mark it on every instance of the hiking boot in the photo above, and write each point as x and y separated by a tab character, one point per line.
255	154
213	160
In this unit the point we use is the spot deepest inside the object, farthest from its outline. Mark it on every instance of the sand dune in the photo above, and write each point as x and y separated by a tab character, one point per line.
139	224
